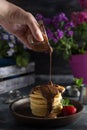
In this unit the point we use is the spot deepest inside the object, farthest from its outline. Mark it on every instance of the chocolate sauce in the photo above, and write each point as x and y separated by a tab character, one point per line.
40	46
50	67
49	92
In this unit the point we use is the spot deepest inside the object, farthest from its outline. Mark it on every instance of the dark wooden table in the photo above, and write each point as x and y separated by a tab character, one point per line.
7	121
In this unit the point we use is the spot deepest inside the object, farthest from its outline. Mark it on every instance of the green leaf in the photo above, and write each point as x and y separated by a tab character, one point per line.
65	102
22	61
78	81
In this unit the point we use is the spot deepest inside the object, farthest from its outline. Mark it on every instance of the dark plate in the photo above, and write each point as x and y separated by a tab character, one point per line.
22	113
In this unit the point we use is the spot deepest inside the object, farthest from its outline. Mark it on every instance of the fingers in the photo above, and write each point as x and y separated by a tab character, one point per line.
25	41
34	27
24	38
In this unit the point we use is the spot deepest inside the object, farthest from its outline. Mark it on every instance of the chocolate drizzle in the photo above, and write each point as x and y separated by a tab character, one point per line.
51	66
48	91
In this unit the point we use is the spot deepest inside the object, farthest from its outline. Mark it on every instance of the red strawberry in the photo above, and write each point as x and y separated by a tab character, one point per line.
68	110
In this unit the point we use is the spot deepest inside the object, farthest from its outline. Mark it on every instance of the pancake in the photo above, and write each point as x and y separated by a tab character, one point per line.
45	100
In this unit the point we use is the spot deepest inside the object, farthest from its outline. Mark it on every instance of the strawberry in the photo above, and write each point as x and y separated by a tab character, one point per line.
68	110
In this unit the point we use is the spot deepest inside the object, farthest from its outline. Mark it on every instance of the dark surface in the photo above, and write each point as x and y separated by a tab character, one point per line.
7	122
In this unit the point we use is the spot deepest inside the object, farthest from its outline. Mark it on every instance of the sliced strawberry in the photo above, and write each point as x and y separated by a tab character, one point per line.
68	110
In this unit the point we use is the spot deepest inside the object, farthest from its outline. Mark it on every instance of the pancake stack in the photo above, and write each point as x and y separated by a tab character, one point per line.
45	100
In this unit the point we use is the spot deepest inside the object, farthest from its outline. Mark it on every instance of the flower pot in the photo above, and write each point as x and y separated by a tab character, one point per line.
78	64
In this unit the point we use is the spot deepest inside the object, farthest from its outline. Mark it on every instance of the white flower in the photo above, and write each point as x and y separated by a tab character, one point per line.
12	38
5	36
11	45
10	52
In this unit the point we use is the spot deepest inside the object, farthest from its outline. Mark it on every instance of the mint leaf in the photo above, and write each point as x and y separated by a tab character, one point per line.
78	81
66	102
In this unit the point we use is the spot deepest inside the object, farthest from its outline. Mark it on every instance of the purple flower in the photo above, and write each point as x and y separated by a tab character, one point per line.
58	27
47	21
69	33
62	17
59	20
54	38
49	33
60	34
69	25
55	21
39	17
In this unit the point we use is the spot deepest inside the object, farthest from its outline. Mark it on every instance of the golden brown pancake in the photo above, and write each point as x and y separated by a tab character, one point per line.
45	100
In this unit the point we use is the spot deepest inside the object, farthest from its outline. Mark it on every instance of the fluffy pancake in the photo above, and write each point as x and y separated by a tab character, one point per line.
45	100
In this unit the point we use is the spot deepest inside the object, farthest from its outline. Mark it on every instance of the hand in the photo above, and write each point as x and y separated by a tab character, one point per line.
19	22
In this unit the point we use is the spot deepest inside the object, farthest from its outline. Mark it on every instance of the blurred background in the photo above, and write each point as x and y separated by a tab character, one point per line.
48	8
